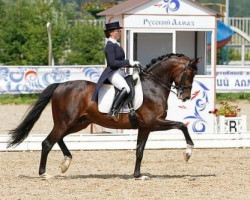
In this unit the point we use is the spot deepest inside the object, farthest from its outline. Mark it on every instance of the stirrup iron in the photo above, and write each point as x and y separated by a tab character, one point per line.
114	115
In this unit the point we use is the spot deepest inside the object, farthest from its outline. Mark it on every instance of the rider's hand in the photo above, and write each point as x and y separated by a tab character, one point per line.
134	63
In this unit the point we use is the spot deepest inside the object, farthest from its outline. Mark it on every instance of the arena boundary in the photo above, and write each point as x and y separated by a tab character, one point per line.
122	141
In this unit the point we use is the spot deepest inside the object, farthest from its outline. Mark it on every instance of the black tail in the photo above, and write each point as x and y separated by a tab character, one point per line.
23	129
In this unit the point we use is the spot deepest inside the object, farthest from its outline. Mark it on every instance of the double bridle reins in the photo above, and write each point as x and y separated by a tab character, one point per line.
168	85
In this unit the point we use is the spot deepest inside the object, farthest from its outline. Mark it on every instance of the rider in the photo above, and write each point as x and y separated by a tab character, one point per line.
114	72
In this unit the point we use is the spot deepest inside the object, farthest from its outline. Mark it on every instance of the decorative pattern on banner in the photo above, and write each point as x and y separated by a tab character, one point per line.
201	102
27	80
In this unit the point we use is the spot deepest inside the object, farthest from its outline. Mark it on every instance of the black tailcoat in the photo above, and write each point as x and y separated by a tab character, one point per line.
115	57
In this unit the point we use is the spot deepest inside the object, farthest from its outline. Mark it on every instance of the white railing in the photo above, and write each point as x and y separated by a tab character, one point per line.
244	52
244	25
156	140
94	22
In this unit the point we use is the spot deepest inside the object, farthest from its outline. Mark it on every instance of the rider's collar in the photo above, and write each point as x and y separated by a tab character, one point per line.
113	41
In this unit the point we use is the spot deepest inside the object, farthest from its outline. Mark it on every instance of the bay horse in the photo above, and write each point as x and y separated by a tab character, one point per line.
73	109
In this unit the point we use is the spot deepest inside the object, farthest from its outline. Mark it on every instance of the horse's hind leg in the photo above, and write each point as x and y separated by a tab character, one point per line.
141	142
67	156
47	145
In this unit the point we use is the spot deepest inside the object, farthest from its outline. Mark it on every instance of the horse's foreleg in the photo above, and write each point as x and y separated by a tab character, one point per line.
67	156
167	125
187	154
141	142
184	129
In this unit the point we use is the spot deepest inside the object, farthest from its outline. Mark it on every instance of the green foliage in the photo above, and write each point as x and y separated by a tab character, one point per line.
23	36
226	109
232	96
18	99
86	45
236	8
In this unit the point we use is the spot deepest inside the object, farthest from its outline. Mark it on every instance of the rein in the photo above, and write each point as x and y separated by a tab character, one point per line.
168	85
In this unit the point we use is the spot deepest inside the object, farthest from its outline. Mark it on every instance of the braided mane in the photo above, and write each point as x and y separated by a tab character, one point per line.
160	58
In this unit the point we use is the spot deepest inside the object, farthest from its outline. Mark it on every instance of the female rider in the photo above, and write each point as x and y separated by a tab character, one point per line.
114	72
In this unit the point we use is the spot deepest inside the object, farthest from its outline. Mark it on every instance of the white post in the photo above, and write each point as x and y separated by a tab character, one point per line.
221	124
227	12
50	57
243	54
244	123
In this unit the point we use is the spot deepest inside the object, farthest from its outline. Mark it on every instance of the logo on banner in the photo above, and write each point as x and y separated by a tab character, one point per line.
169	5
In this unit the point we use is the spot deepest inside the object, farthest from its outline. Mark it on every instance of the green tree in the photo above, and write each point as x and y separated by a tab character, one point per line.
23	35
236	8
86	45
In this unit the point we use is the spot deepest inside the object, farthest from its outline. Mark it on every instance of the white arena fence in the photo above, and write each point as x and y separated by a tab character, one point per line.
34	79
127	140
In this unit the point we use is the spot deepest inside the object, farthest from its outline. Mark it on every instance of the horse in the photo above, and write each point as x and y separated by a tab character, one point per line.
73	110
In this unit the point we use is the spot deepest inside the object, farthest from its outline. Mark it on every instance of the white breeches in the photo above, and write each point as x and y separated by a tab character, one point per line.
117	80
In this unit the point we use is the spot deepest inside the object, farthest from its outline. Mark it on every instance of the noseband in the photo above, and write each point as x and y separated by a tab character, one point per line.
183	78
167	85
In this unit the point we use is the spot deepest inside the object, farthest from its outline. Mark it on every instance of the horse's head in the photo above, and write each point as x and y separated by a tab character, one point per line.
171	68
183	76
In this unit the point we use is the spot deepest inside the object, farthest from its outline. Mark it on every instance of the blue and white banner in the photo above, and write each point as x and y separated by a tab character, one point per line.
29	79
34	79
232	79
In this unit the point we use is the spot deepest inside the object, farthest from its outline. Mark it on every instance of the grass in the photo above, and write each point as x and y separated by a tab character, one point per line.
31	98
18	98
232	96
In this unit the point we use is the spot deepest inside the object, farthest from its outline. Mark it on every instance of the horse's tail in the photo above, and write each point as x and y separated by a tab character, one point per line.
23	129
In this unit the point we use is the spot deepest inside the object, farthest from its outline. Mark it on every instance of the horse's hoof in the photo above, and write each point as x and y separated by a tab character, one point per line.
143	178
187	156
46	176
65	164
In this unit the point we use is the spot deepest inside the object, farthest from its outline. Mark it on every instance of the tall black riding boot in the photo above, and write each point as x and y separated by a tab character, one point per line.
114	113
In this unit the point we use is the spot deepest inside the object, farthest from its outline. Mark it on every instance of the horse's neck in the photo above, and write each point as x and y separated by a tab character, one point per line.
164	73
158	82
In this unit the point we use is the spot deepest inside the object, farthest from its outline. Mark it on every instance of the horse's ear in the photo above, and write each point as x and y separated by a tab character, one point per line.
195	61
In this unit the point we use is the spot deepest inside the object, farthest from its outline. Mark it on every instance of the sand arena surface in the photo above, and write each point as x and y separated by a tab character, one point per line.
221	174
211	173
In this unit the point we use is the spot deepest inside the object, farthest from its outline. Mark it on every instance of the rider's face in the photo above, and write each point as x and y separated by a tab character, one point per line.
116	34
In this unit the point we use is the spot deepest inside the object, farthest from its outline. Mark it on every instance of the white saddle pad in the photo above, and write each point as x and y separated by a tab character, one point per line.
106	96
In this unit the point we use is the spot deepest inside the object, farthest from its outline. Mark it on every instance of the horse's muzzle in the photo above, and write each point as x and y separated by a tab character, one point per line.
185	99
182	96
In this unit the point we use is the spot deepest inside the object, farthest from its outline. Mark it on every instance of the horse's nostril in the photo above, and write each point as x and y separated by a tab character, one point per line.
186	98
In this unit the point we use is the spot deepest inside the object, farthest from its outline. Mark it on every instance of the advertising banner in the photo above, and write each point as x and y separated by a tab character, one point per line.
232	79
28	79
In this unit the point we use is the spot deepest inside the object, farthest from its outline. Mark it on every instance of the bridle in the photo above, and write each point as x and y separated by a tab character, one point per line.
168	85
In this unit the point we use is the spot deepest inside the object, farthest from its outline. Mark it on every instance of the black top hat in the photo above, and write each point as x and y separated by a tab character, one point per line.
112	26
